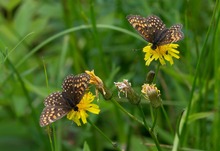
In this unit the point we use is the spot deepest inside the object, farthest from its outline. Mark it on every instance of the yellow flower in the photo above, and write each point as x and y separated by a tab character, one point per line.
95	80
84	105
161	52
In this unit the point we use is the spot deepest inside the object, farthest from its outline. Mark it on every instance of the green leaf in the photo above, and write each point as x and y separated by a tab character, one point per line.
200	115
86	147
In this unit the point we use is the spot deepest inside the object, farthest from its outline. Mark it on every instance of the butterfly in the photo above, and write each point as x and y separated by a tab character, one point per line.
58	104
153	30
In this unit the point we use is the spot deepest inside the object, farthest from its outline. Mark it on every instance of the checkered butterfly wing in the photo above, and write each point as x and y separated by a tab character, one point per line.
173	34
153	30
55	108
74	88
149	28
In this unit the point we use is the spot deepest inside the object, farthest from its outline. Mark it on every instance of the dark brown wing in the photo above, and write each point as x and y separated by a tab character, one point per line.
173	34
55	108
74	88
148	28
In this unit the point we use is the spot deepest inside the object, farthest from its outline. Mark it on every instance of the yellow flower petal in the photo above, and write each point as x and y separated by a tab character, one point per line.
83	116
96	81
94	109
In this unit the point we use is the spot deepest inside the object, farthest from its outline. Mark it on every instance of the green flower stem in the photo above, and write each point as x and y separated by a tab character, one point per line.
129	135
156	73
142	123
50	137
155	110
150	130
143	116
126	112
106	137
167	119
55	138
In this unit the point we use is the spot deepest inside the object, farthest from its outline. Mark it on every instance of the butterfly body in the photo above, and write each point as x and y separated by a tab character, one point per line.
153	30
59	104
71	104
158	38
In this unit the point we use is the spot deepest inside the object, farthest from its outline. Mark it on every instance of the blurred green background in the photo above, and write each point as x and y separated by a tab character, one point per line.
33	40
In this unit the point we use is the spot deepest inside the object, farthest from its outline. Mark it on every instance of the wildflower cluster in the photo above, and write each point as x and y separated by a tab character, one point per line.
76	100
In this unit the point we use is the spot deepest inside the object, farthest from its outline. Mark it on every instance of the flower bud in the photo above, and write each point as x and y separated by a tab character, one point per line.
150	76
151	92
130	94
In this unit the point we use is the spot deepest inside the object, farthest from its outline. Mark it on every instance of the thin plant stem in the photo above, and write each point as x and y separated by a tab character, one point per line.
143	117
63	54
142	123
129	135
126	112
216	121
45	73
54	138
25	37
29	100
52	142
150	130
155	119
156	73
50	138
155	140
115	145
167	119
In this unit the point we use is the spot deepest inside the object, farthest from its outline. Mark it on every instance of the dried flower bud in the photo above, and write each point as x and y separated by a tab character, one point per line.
151	92
130	94
123	87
